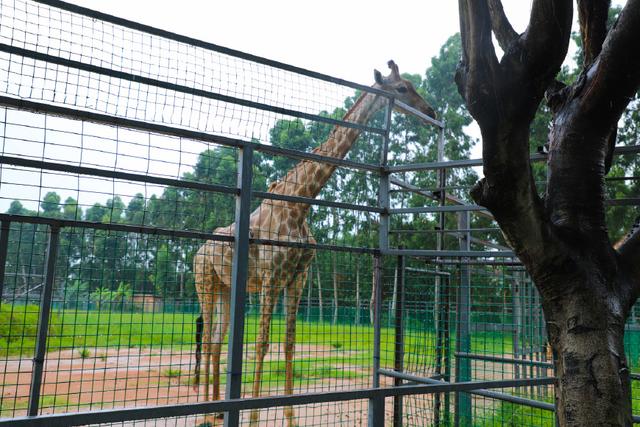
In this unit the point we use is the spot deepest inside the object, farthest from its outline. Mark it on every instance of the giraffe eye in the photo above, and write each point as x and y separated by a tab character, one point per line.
402	89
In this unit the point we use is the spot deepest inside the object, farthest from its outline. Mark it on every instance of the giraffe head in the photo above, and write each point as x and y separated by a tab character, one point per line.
402	89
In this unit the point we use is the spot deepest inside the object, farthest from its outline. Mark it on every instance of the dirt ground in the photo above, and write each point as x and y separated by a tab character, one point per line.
134	377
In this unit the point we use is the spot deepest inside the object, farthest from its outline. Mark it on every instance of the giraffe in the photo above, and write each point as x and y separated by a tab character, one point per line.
275	268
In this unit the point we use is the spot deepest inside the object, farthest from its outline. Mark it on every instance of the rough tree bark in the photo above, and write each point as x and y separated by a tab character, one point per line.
587	286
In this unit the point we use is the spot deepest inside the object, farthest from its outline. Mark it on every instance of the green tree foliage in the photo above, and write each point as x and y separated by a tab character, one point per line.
101	260
51	205
162	276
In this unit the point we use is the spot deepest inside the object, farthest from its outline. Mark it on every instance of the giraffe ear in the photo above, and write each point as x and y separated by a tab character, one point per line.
378	76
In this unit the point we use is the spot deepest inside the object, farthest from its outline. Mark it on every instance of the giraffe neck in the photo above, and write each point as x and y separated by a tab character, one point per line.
307	178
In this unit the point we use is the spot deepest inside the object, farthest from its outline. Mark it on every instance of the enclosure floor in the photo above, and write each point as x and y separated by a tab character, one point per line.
134	377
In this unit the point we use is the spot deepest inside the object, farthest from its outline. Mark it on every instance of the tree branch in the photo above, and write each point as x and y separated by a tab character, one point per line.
479	68
592	15
546	39
614	77
503	97
504	32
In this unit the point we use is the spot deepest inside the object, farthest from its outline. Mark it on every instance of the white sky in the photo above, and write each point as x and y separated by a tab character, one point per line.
346	39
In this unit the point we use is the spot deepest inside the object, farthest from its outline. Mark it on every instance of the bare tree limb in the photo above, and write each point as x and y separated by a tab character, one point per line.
614	77
546	39
592	15
479	68
503	97
504	32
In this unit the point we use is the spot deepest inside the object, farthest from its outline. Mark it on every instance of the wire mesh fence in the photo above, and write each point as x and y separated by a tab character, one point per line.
189	229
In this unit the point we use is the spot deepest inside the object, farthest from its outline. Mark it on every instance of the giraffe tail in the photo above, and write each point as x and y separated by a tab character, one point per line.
199	329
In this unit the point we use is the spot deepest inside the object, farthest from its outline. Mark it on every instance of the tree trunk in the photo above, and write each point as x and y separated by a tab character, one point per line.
587	287
593	387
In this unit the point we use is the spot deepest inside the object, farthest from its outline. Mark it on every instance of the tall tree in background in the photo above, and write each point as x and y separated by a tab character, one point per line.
587	286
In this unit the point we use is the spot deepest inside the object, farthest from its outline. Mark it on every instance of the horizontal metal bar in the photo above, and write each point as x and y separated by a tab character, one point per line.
56	110
434	209
447	231
135	78
318	202
427	271
464	163
492	394
518	382
626	149
83	170
503	360
410	187
138	229
628	201
317	246
62	167
427	253
409	377
515	399
65	223
131	414
301	155
435	196
419	114
487	243
449	164
474	262
622	178
205	45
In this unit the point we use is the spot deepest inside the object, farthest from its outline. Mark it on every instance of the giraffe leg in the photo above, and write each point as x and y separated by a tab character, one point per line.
210	326
294	292
222	324
196	372
262	344
213	345
204	288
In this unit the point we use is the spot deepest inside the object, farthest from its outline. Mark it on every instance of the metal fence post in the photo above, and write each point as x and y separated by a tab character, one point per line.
376	405
5	228
399	341
446	297
383	192
43	322
463	338
240	268
438	294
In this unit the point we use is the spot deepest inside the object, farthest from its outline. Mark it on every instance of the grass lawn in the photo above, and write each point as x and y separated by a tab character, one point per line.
91	329
333	351
9	406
